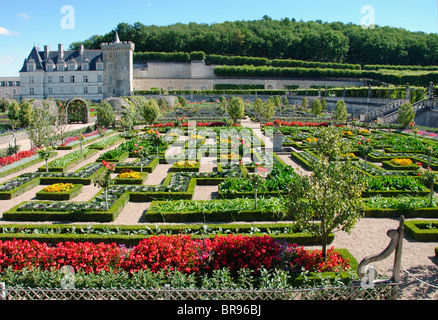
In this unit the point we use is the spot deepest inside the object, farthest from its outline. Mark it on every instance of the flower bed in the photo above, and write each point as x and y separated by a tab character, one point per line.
14	158
170	253
268	209
131	235
128	176
59	191
69	160
186	166
390	186
175	186
401	164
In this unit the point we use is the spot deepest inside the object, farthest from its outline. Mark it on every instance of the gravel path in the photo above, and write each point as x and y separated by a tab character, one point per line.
419	275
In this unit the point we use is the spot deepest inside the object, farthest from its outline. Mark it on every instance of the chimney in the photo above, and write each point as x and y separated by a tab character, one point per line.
60	52
81	50
46	52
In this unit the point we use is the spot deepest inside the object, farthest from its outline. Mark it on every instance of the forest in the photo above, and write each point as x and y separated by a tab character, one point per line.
333	42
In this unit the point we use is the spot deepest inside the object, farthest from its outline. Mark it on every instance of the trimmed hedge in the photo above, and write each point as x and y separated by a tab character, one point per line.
131	181
395	213
88	154
417	230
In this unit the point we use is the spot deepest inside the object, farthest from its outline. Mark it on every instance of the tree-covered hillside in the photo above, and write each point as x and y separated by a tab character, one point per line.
283	39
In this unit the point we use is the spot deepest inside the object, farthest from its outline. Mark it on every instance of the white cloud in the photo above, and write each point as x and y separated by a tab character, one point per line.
23	16
6	61
6	32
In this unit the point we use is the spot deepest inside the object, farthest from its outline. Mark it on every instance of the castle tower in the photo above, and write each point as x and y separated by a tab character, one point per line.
118	67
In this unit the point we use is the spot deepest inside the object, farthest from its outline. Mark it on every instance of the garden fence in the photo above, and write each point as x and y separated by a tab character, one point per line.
385	290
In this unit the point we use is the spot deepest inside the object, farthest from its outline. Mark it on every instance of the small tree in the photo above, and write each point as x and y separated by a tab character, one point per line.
105	115
258	108
316	107
268	110
14	114
429	178
256	179
25	114
323	104
45	153
104	180
236	109
142	154
406	114
365	148
341	114
223	105
150	111
305	102
41	128
331	195
182	101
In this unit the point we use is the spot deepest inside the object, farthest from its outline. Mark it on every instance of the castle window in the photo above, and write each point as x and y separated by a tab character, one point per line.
31	80
99	78
32	91
85	78
99	90
49	67
61	67
85	67
85	90
50	90
99	66
50	79
72	79
61	79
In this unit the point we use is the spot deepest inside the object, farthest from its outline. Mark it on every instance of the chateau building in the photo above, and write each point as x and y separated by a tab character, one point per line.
89	74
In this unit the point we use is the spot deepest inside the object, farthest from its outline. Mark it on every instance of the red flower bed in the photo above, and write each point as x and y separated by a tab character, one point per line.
189	124
20	156
168	253
297	124
71	139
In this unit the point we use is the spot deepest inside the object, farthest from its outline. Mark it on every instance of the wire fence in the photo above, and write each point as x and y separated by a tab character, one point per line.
378	291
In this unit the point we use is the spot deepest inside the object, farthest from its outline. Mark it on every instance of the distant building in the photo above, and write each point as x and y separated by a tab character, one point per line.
89	74
9	87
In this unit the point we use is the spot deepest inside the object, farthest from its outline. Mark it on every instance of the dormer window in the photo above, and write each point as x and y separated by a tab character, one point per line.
85	67
30	65
72	65
99	66
61	66
50	66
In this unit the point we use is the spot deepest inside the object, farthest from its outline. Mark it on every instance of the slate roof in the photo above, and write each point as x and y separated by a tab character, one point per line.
93	56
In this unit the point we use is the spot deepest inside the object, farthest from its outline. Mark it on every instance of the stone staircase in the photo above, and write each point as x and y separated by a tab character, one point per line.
383	111
419	107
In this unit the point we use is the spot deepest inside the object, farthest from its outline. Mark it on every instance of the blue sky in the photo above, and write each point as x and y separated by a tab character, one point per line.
24	23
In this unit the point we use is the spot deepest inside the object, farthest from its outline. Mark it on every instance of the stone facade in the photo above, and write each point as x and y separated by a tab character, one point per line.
9	87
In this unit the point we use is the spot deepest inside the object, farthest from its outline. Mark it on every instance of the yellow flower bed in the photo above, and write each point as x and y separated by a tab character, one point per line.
347	133
348	155
129	174
401	162
197	137
310	140
364	131
59	187
230	156
186	164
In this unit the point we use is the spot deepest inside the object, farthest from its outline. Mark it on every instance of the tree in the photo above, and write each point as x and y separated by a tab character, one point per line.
14	114
42	127
258	108
268	110
341	114
323	104
305	102
25	114
150	111
105	115
331	195
61	123
316	107
236	108
329	144
406	114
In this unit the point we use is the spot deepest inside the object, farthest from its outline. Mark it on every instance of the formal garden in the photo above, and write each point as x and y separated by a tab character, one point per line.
64	197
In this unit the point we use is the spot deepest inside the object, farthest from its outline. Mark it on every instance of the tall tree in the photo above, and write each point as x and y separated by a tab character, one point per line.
236	108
